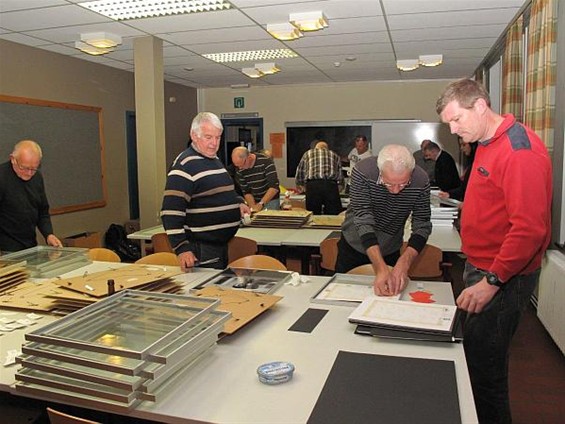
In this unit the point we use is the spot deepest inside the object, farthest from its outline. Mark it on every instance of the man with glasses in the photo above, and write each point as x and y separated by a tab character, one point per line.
23	202
257	176
384	192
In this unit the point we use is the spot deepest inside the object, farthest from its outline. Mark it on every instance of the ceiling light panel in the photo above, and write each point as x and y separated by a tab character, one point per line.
103	40
309	21
136	9
285	31
251	55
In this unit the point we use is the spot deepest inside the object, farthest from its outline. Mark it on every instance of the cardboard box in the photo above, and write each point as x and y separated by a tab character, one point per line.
88	240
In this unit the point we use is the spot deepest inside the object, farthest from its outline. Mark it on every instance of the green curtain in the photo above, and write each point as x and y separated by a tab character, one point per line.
513	71
541	70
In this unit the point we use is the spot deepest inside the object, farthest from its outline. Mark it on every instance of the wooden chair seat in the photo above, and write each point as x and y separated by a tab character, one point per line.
160	258
258	262
103	254
160	243
239	247
327	258
58	417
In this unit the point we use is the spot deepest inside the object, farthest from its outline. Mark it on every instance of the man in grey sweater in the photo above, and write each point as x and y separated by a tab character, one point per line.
384	193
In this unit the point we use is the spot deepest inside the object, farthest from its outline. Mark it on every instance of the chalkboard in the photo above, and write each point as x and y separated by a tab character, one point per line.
340	139
71	139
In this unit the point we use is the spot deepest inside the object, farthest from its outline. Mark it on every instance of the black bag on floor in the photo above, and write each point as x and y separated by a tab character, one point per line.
116	239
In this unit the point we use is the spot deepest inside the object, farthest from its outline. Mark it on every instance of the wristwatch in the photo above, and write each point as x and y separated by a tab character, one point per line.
493	280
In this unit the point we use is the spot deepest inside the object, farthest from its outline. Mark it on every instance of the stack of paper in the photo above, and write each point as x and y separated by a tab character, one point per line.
443	216
280	219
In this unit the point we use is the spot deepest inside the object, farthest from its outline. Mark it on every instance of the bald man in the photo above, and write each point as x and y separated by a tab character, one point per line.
319	175
23	202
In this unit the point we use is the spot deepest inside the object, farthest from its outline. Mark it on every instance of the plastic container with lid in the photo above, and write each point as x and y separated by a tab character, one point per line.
275	372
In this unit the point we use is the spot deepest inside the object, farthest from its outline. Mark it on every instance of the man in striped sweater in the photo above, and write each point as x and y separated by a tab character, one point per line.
384	192
201	211
257	176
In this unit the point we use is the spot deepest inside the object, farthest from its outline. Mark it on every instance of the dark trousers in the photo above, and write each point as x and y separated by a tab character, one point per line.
349	258
206	251
323	194
487	337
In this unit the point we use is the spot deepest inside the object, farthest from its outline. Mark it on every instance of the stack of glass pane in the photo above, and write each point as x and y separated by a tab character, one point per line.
47	261
120	350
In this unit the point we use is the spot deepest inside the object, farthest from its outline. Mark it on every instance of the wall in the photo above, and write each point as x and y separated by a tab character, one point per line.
39	74
327	102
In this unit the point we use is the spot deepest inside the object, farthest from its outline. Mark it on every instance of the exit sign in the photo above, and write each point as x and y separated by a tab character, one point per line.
238	102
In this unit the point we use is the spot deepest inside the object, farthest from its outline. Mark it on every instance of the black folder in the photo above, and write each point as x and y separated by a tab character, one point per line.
363	388
455	335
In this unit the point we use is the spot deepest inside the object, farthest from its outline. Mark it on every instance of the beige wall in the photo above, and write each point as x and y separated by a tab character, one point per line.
328	102
39	74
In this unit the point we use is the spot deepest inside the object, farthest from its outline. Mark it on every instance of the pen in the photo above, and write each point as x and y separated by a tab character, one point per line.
209	261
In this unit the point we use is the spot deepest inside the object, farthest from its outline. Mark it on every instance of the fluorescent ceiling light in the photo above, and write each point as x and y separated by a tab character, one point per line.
267	68
431	59
309	21
103	40
285	31
407	64
120	10
252	72
87	48
251	55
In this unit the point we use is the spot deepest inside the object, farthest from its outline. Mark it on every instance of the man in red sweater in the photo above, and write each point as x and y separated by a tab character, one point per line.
505	231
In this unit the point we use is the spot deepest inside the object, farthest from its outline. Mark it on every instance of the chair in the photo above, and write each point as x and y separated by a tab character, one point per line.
429	264
327	258
366	269
160	258
57	417
258	262
160	243
238	247
103	254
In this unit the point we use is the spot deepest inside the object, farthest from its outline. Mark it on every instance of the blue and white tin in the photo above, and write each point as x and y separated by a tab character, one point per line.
275	372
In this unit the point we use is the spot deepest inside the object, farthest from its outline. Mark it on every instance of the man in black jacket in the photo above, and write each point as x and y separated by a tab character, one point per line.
445	171
23	202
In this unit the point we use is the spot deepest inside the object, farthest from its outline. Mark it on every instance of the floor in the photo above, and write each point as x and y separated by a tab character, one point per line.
537	377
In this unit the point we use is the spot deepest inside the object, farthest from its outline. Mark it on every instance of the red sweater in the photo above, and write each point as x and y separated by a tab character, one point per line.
506	222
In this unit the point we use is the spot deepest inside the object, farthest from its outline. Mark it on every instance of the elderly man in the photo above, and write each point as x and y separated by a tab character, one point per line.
257	176
201	211
319	174
23	202
505	231
383	195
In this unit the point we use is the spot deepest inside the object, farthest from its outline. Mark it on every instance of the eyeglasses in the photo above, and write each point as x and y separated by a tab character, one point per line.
25	168
389	185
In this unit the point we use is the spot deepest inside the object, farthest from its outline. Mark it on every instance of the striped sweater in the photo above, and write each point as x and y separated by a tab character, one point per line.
259	178
377	217
199	203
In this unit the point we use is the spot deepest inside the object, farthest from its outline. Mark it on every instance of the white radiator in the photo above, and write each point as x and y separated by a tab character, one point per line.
551	298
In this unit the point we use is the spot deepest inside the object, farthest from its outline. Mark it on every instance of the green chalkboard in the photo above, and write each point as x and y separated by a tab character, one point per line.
72	143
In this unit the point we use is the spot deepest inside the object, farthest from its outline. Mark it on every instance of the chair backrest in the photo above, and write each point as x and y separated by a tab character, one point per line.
428	264
160	258
366	269
103	254
258	262
160	243
328	251
238	247
57	417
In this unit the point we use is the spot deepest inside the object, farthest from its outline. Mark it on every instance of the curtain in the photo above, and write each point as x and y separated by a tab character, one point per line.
513	71
541	70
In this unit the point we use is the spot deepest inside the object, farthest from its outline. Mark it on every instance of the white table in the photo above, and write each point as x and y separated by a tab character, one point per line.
224	388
